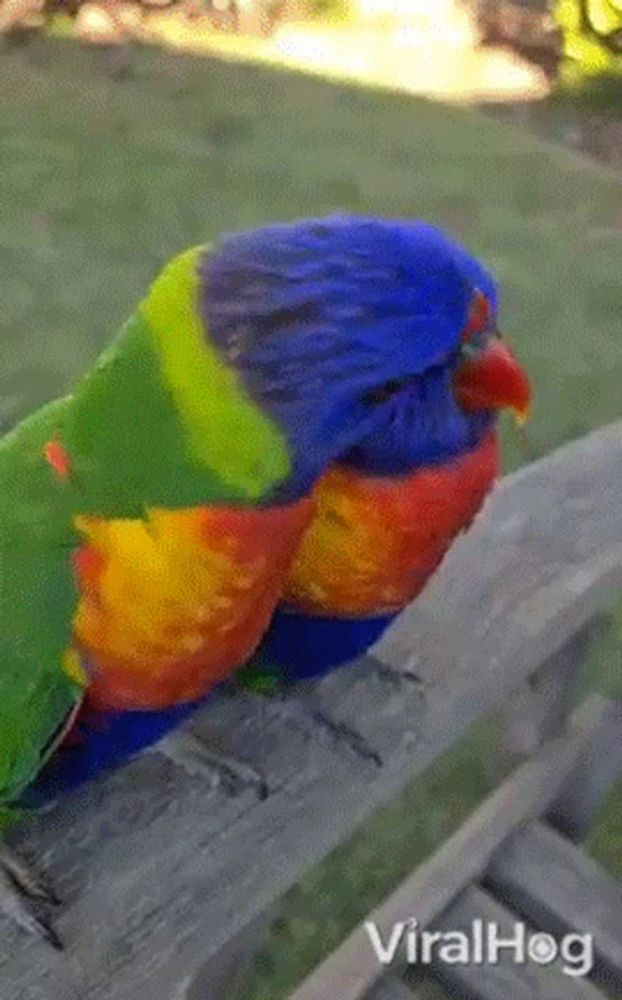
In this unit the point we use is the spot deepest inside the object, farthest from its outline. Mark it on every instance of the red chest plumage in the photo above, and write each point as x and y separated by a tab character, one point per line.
174	602
374	541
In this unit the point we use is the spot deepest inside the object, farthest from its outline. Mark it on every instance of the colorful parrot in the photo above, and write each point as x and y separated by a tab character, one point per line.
387	511
266	426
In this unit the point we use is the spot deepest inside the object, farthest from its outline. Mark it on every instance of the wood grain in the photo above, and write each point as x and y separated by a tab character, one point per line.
561	889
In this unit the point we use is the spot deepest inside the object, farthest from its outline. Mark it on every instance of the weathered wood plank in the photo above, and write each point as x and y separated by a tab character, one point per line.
352	968
574	811
226	977
505	980
163	864
561	889
392	988
539	710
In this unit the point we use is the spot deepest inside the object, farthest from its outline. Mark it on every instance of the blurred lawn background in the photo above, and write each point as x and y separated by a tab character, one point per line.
103	177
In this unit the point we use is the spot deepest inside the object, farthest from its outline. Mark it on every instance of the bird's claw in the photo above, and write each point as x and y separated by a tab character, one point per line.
25	897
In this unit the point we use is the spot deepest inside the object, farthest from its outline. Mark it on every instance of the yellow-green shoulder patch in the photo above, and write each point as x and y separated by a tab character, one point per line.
213	406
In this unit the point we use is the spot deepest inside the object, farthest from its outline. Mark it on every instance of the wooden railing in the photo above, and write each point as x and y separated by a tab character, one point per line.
170	868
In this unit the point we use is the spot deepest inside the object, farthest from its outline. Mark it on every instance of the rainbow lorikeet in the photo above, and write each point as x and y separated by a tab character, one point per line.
388	510
150	521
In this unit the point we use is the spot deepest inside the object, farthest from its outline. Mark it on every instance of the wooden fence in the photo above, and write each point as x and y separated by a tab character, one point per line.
170	868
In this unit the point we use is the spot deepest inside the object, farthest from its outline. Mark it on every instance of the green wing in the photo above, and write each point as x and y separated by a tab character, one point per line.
150	425
37	696
37	598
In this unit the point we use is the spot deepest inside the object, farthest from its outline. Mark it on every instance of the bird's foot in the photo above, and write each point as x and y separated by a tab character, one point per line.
259	677
26	898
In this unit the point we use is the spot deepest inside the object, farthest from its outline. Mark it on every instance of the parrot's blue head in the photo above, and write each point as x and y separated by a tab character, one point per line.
365	339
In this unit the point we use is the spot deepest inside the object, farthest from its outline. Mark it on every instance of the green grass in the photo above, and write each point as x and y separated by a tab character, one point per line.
102	179
106	170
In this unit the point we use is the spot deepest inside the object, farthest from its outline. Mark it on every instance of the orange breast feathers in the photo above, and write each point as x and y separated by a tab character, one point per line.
174	603
374	541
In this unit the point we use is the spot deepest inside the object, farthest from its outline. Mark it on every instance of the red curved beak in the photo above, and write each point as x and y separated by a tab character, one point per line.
493	380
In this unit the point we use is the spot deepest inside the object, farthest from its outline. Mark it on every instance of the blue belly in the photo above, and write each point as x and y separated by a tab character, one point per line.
302	647
105	740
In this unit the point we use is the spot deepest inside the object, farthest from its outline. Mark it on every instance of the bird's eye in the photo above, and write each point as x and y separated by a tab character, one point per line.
480	316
